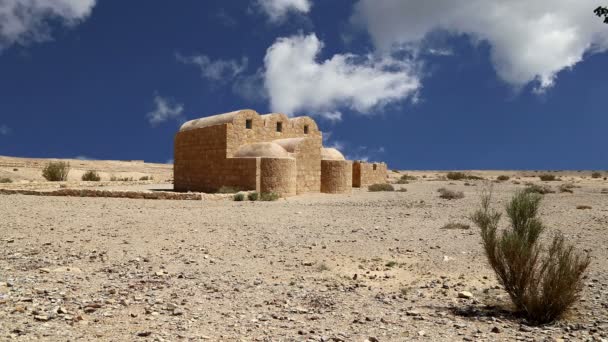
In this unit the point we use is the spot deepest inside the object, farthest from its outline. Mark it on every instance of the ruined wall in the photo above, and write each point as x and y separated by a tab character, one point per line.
201	165
278	176
365	174
336	176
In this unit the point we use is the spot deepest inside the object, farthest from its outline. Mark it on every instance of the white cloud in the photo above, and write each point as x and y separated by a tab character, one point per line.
165	110
218	70
277	10
531	41
4	130
297	83
25	21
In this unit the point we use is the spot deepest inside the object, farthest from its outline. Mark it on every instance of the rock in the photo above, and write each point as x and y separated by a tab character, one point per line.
465	294
496	330
144	333
42	318
421	333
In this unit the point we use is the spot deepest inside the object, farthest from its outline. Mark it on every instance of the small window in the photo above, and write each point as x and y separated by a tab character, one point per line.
248	123
306	129
375	167
279	127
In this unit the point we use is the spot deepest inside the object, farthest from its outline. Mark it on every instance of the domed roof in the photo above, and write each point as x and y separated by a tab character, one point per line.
328	153
263	149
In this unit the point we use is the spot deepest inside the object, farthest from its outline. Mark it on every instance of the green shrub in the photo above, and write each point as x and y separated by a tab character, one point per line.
380	187
253	196
269	196
542	285
239	197
596	175
6	180
502	178
228	190
538	189
450	194
547	178
91	176
56	171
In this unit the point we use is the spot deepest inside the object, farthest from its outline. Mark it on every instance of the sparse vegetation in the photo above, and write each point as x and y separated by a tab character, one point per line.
453	225
541	285
391	263
402	190
145	178
228	190
538	189
56	171
380	187
596	175
583	207
502	178
6	180
253	196
450	194
91	176
239	197
15	170
547	178
462	176
566	187
269	196
121	179
323	267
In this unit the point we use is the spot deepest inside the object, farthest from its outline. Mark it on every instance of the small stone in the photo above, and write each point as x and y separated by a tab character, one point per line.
465	294
496	330
421	333
42	318
144	333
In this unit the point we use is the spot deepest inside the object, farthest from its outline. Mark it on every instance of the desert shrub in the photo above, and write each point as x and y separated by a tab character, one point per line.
408	177
402	190
450	194
542	285
253	196
6	180
547	178
502	178
596	175
56	171
566	187
538	189
604	191
239	197
15	170
121	179
91	176
583	207
145	178
380	187
227	190
456	175
269	196
453	225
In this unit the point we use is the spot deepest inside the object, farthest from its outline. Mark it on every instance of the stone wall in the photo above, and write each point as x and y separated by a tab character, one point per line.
336	176
278	176
365	174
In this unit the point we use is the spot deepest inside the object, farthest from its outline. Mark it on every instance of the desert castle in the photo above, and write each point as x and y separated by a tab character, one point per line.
266	153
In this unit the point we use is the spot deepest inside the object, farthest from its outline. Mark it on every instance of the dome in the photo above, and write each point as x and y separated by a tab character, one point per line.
331	154
264	149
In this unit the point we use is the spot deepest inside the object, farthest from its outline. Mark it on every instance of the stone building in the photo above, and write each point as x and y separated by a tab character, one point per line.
266	153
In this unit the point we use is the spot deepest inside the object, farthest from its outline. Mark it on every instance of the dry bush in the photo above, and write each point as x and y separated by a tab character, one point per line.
91	176
453	225
380	187
6	180
56	171
269	196
542	285
450	194
547	178
145	178
456	175
538	189
596	175
402	190
583	207
567	187
503	178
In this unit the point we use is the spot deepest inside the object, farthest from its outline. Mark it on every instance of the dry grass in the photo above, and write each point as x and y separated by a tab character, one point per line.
542	286
380	187
453	225
538	189
450	194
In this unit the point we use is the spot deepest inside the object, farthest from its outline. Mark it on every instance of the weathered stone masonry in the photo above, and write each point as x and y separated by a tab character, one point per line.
266	153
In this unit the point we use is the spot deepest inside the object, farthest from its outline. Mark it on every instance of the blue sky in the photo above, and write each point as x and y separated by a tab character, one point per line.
484	85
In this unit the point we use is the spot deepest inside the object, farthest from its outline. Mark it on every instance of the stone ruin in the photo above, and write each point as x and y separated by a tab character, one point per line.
265	153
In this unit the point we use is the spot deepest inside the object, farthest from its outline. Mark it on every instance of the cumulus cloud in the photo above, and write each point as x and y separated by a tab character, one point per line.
531	41
215	70
277	10
296	82
4	130
165	110
25	21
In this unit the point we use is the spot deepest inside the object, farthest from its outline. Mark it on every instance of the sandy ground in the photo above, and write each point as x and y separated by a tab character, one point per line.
366	266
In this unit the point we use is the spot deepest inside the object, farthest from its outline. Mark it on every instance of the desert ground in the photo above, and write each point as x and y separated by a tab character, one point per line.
369	266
